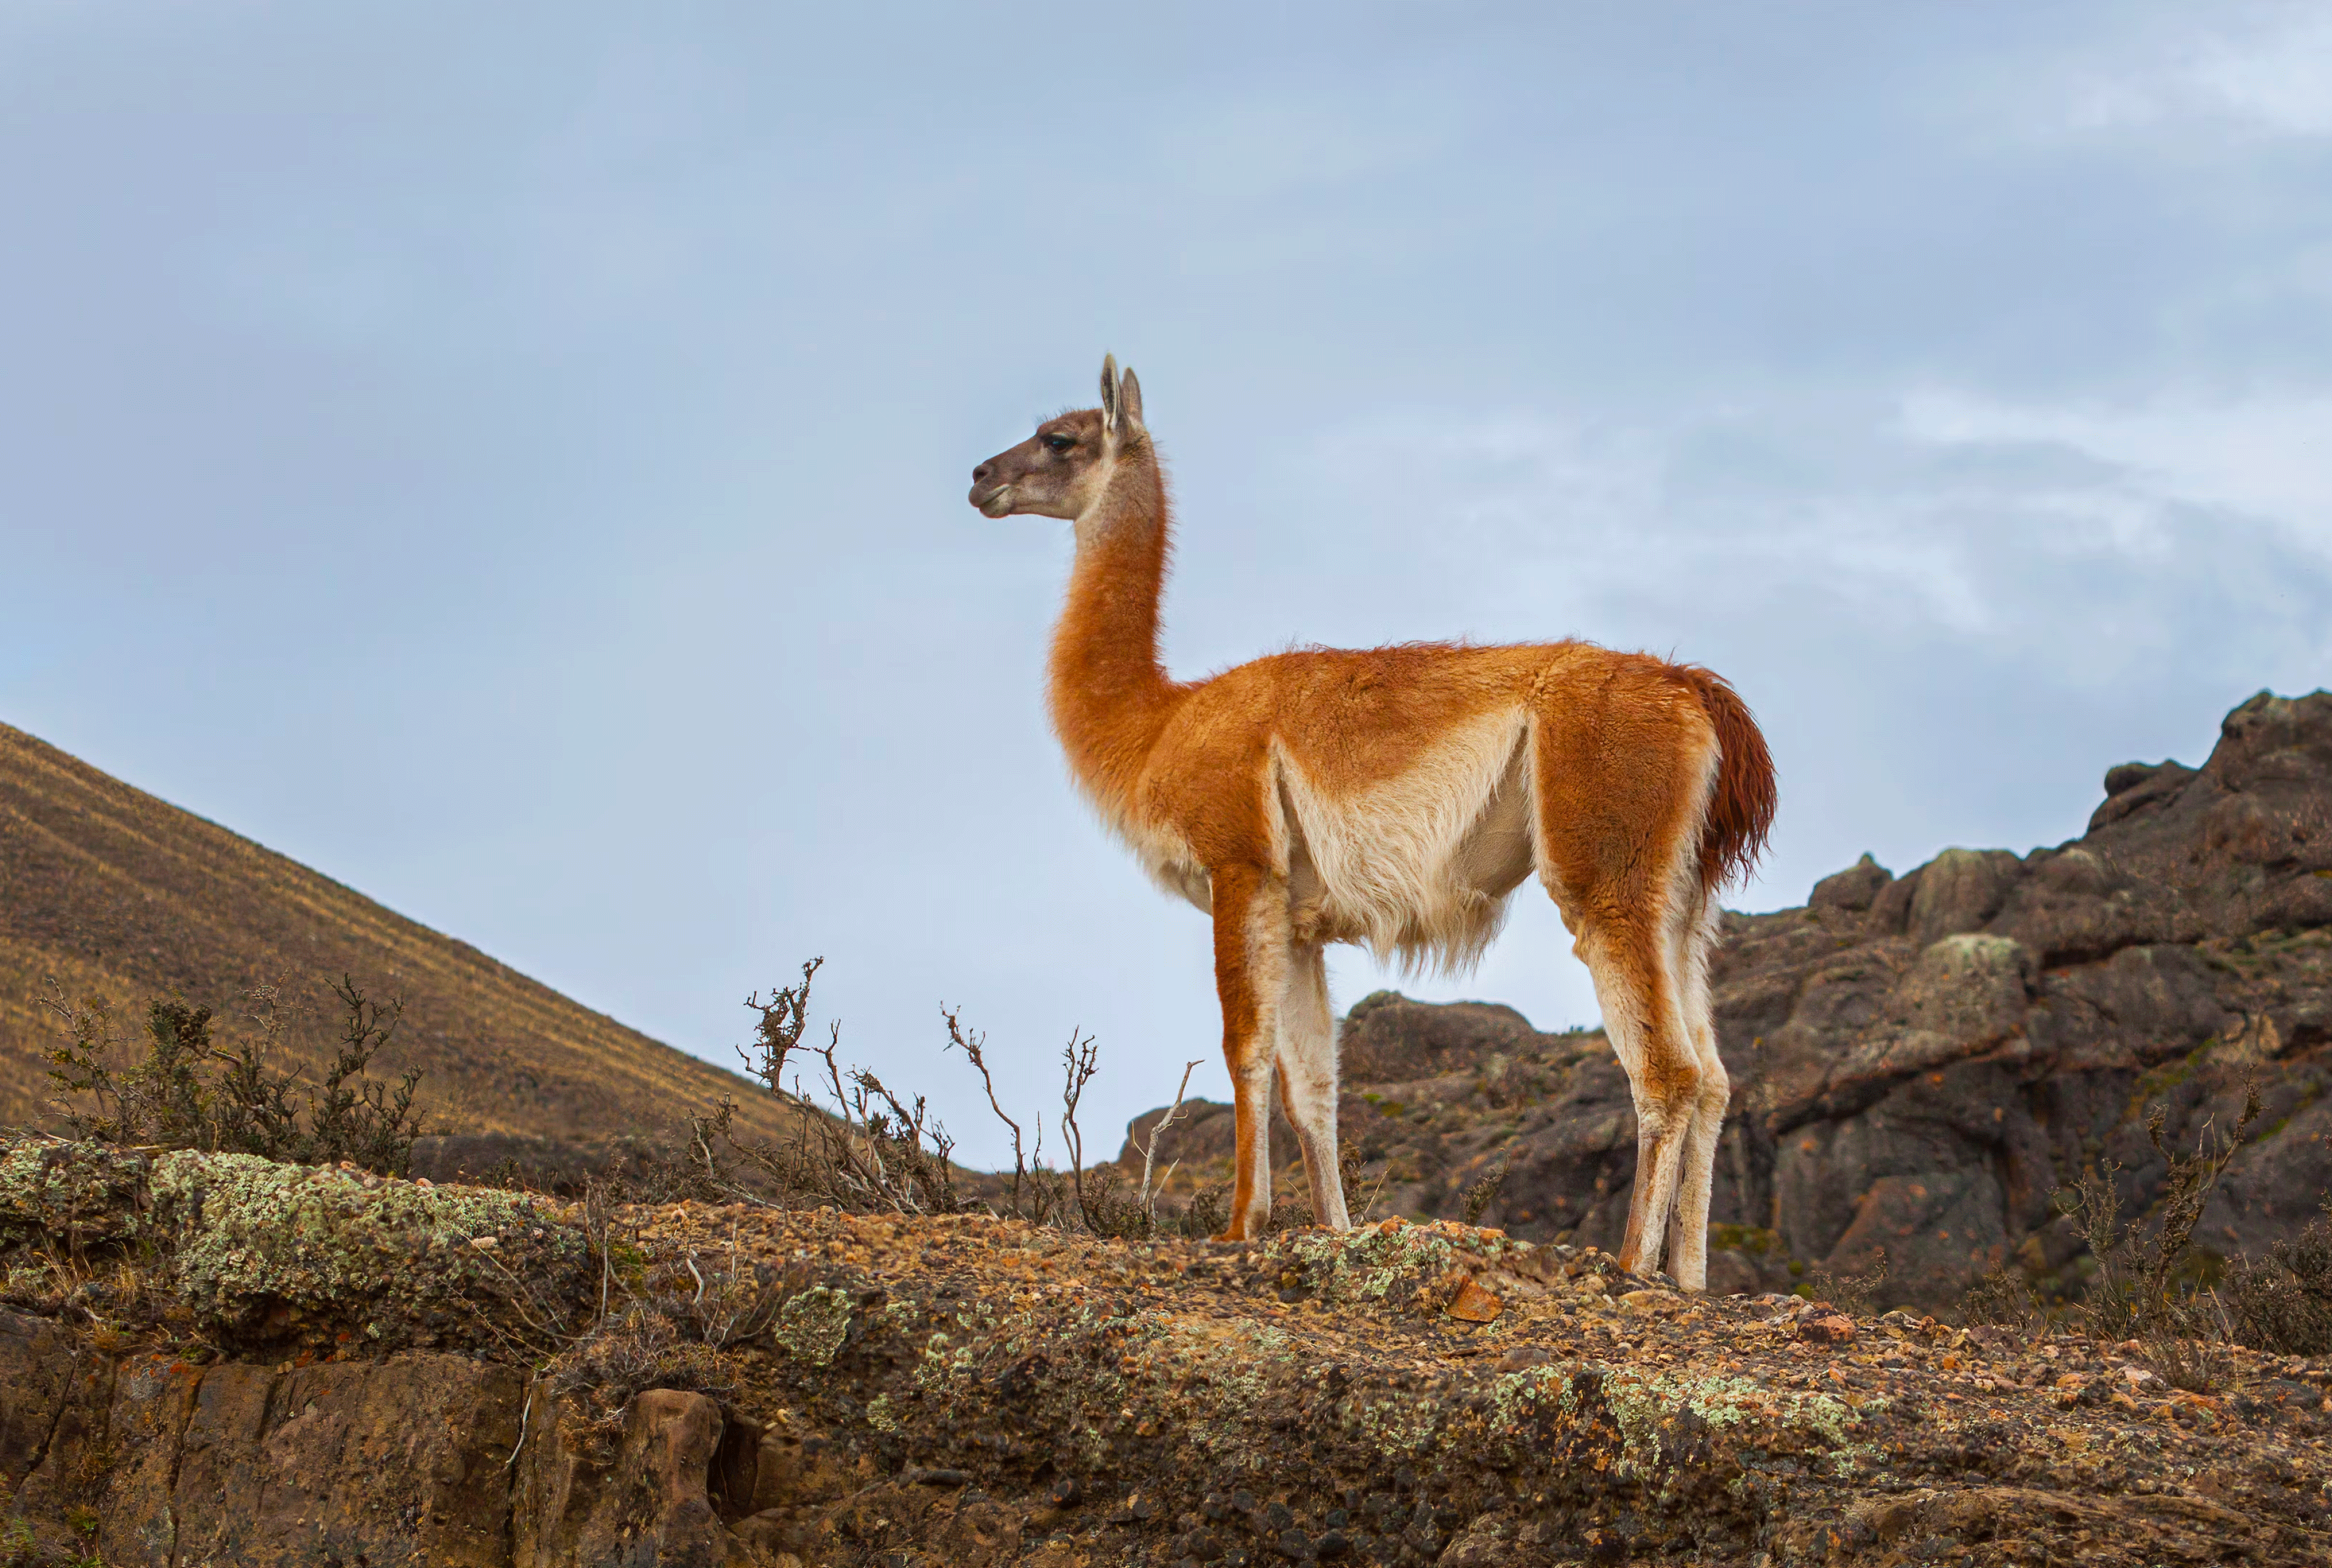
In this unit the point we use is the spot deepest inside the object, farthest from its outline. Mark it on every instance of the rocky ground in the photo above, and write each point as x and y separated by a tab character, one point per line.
210	1360
1919	1062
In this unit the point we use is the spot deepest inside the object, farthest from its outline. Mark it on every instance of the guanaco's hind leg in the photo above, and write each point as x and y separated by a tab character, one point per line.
1251	953
1636	987
1307	1079
1622	778
1688	1231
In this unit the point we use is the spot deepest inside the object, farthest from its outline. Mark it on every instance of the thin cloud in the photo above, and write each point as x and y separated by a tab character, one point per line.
2265	455
2092	550
2256	70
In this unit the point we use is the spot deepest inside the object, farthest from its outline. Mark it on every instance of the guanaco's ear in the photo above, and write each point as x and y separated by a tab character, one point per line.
1128	400
1108	392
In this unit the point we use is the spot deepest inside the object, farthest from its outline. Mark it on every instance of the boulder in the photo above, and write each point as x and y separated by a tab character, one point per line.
1856	887
1386	1038
1960	890
647	1503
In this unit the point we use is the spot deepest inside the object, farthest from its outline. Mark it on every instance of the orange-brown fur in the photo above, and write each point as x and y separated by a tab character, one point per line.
1328	794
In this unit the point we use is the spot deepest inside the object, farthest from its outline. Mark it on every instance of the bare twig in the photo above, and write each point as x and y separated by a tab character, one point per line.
974	1044
1149	1198
1078	1064
778	1030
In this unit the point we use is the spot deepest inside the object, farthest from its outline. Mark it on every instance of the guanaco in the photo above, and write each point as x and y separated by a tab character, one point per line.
1395	797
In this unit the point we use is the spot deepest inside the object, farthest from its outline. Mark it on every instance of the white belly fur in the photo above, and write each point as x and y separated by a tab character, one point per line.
1419	866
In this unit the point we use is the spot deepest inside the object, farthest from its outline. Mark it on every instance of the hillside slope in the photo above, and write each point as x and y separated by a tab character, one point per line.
111	890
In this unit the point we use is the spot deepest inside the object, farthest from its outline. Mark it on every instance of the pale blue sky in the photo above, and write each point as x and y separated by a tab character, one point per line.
511	458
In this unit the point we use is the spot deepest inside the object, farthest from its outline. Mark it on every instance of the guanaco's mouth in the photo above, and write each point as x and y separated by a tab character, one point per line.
996	503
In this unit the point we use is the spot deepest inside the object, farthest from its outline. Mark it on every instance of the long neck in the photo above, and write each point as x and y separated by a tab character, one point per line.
1109	694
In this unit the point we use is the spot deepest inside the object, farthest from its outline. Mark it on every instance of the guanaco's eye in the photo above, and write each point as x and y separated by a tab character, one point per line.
1057	441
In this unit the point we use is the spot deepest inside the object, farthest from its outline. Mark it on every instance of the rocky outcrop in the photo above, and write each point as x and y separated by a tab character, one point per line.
1919	1062
137	1429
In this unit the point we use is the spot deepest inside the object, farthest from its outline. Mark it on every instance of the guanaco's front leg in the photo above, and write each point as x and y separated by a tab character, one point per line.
1250	910
1307	1081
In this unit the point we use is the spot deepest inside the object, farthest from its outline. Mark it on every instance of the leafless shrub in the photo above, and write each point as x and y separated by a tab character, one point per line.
2004	1297
1079	1061
182	1089
723	1298
1209	1213
1104	1206
599	1236
856	1144
874	1151
1037	1194
880	1155
1483	1192
2283	1303
2142	1289
778	1028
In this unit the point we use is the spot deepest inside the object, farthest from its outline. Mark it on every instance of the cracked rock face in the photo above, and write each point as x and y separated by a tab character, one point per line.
152	1459
1919	1061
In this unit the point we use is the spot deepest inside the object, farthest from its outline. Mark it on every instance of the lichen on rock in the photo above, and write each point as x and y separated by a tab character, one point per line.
77	1194
812	1325
269	1255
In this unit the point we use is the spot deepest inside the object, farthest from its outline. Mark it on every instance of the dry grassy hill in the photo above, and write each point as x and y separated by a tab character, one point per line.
111	890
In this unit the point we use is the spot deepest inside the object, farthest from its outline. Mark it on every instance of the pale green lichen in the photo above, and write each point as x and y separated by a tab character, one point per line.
1364	1265
263	1252
812	1325
85	1194
944	1363
1396	1428
251	1237
1645	1408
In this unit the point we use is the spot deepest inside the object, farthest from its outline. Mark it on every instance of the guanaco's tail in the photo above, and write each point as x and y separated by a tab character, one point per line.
1741	809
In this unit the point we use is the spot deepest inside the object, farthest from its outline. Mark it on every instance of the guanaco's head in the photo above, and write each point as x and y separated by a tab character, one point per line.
1062	470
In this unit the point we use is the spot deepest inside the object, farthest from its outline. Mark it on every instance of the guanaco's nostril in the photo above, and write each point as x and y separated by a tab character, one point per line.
980	472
